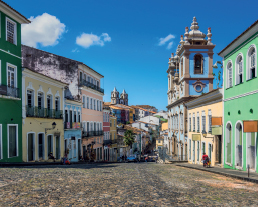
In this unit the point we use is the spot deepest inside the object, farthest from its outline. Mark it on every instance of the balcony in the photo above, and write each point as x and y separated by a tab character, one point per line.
92	133
72	125
34	111
9	91
91	85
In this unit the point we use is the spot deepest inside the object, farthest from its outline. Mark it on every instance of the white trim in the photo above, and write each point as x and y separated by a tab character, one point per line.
255	150
241	95
1	140
17	138
227	73
44	156
34	146
230	164
15	30
15	74
239	122
10	53
237	68
247	62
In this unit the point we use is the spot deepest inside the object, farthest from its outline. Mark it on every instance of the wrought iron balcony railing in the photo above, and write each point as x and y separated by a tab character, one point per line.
9	91
91	85
34	111
92	133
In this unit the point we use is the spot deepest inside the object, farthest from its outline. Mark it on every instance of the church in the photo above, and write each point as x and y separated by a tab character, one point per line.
115	99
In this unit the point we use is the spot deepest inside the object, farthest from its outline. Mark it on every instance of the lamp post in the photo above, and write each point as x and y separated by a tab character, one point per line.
53	127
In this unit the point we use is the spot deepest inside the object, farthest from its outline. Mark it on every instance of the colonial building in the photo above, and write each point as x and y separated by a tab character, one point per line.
72	127
115	99
189	75
10	84
240	123
205	127
106	131
42	128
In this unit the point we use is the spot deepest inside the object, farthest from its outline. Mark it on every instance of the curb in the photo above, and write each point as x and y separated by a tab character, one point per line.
222	173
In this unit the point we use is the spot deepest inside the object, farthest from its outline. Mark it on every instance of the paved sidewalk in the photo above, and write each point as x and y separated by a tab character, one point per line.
243	175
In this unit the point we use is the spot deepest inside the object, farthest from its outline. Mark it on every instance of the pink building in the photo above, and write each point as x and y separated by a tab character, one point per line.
106	129
92	114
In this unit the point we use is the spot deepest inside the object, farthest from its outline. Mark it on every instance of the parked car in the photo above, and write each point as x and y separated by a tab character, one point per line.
132	158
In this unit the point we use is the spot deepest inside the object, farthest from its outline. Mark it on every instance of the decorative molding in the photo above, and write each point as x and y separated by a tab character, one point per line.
241	95
198	83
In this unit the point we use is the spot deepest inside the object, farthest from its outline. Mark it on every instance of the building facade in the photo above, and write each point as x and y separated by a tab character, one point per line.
42	128
106	130
189	75
10	84
72	128
240	95
203	135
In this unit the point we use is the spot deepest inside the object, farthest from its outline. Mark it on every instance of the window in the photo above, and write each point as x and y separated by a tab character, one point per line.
100	105
85	78
49	102
209	117
91	103
83	100
229	74
111	123
88	103
11	76
80	77
198	64
251	63
239	70
57	103
88	79
203	147
12	140
104	117
189	122
203	122
40	100
97	83
228	142
97	105
30	102
181	121
10	31
94	104
75	116
190	150
100	126
198	123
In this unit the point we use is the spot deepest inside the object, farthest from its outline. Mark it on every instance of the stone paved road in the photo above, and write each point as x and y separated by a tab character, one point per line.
121	184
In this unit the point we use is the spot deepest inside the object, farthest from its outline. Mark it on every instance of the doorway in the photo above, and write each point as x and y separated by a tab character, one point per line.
250	150
193	152
57	147
49	145
218	143
30	147
41	146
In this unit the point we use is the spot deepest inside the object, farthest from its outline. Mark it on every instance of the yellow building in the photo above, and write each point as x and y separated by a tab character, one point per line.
202	135
159	143
43	127
113	137
164	126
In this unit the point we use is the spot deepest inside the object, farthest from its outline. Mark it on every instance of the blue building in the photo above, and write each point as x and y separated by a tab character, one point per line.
116	111
190	74
72	129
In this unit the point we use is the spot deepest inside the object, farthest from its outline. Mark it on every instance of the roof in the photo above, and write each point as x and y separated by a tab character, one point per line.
115	107
25	20
153	112
134	129
145	106
242	34
148	123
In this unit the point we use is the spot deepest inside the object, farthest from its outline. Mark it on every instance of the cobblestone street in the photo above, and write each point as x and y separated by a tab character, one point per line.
121	184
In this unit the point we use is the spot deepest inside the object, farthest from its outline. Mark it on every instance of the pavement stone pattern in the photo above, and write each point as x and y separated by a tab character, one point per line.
121	184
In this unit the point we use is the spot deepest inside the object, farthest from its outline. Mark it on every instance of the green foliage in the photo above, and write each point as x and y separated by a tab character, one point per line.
128	122
128	138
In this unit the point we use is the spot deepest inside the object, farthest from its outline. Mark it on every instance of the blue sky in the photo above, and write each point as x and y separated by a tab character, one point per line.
126	34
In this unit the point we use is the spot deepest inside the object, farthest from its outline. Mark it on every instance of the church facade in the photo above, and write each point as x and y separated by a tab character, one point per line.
189	75
116	99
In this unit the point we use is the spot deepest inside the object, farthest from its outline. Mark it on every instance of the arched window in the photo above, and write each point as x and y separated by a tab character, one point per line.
229	75
228	142
239	70
198	64
251	68
239	147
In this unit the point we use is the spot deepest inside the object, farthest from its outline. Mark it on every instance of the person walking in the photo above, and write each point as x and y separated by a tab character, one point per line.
204	159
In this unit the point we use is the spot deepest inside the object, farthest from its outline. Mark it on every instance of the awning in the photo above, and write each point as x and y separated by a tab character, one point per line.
216	121
250	126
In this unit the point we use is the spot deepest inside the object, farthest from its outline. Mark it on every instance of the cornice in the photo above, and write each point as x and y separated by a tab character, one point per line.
85	88
241	95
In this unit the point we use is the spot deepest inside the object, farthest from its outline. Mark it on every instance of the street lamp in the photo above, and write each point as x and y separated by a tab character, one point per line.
53	127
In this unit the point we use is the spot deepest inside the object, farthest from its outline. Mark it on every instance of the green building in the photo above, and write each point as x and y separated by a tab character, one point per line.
240	100
10	84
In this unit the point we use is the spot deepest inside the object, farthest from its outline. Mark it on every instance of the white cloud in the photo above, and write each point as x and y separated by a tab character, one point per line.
75	50
45	30
163	41
170	45
87	40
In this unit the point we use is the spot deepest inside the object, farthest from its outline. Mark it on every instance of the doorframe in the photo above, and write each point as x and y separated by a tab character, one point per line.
59	147
241	167
43	145
34	144
52	140
209	143
255	150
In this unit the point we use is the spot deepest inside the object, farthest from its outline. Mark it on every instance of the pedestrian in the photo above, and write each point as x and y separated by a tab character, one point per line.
204	159
146	159
156	158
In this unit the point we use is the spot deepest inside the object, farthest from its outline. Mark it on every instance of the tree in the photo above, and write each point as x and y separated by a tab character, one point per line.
129	138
